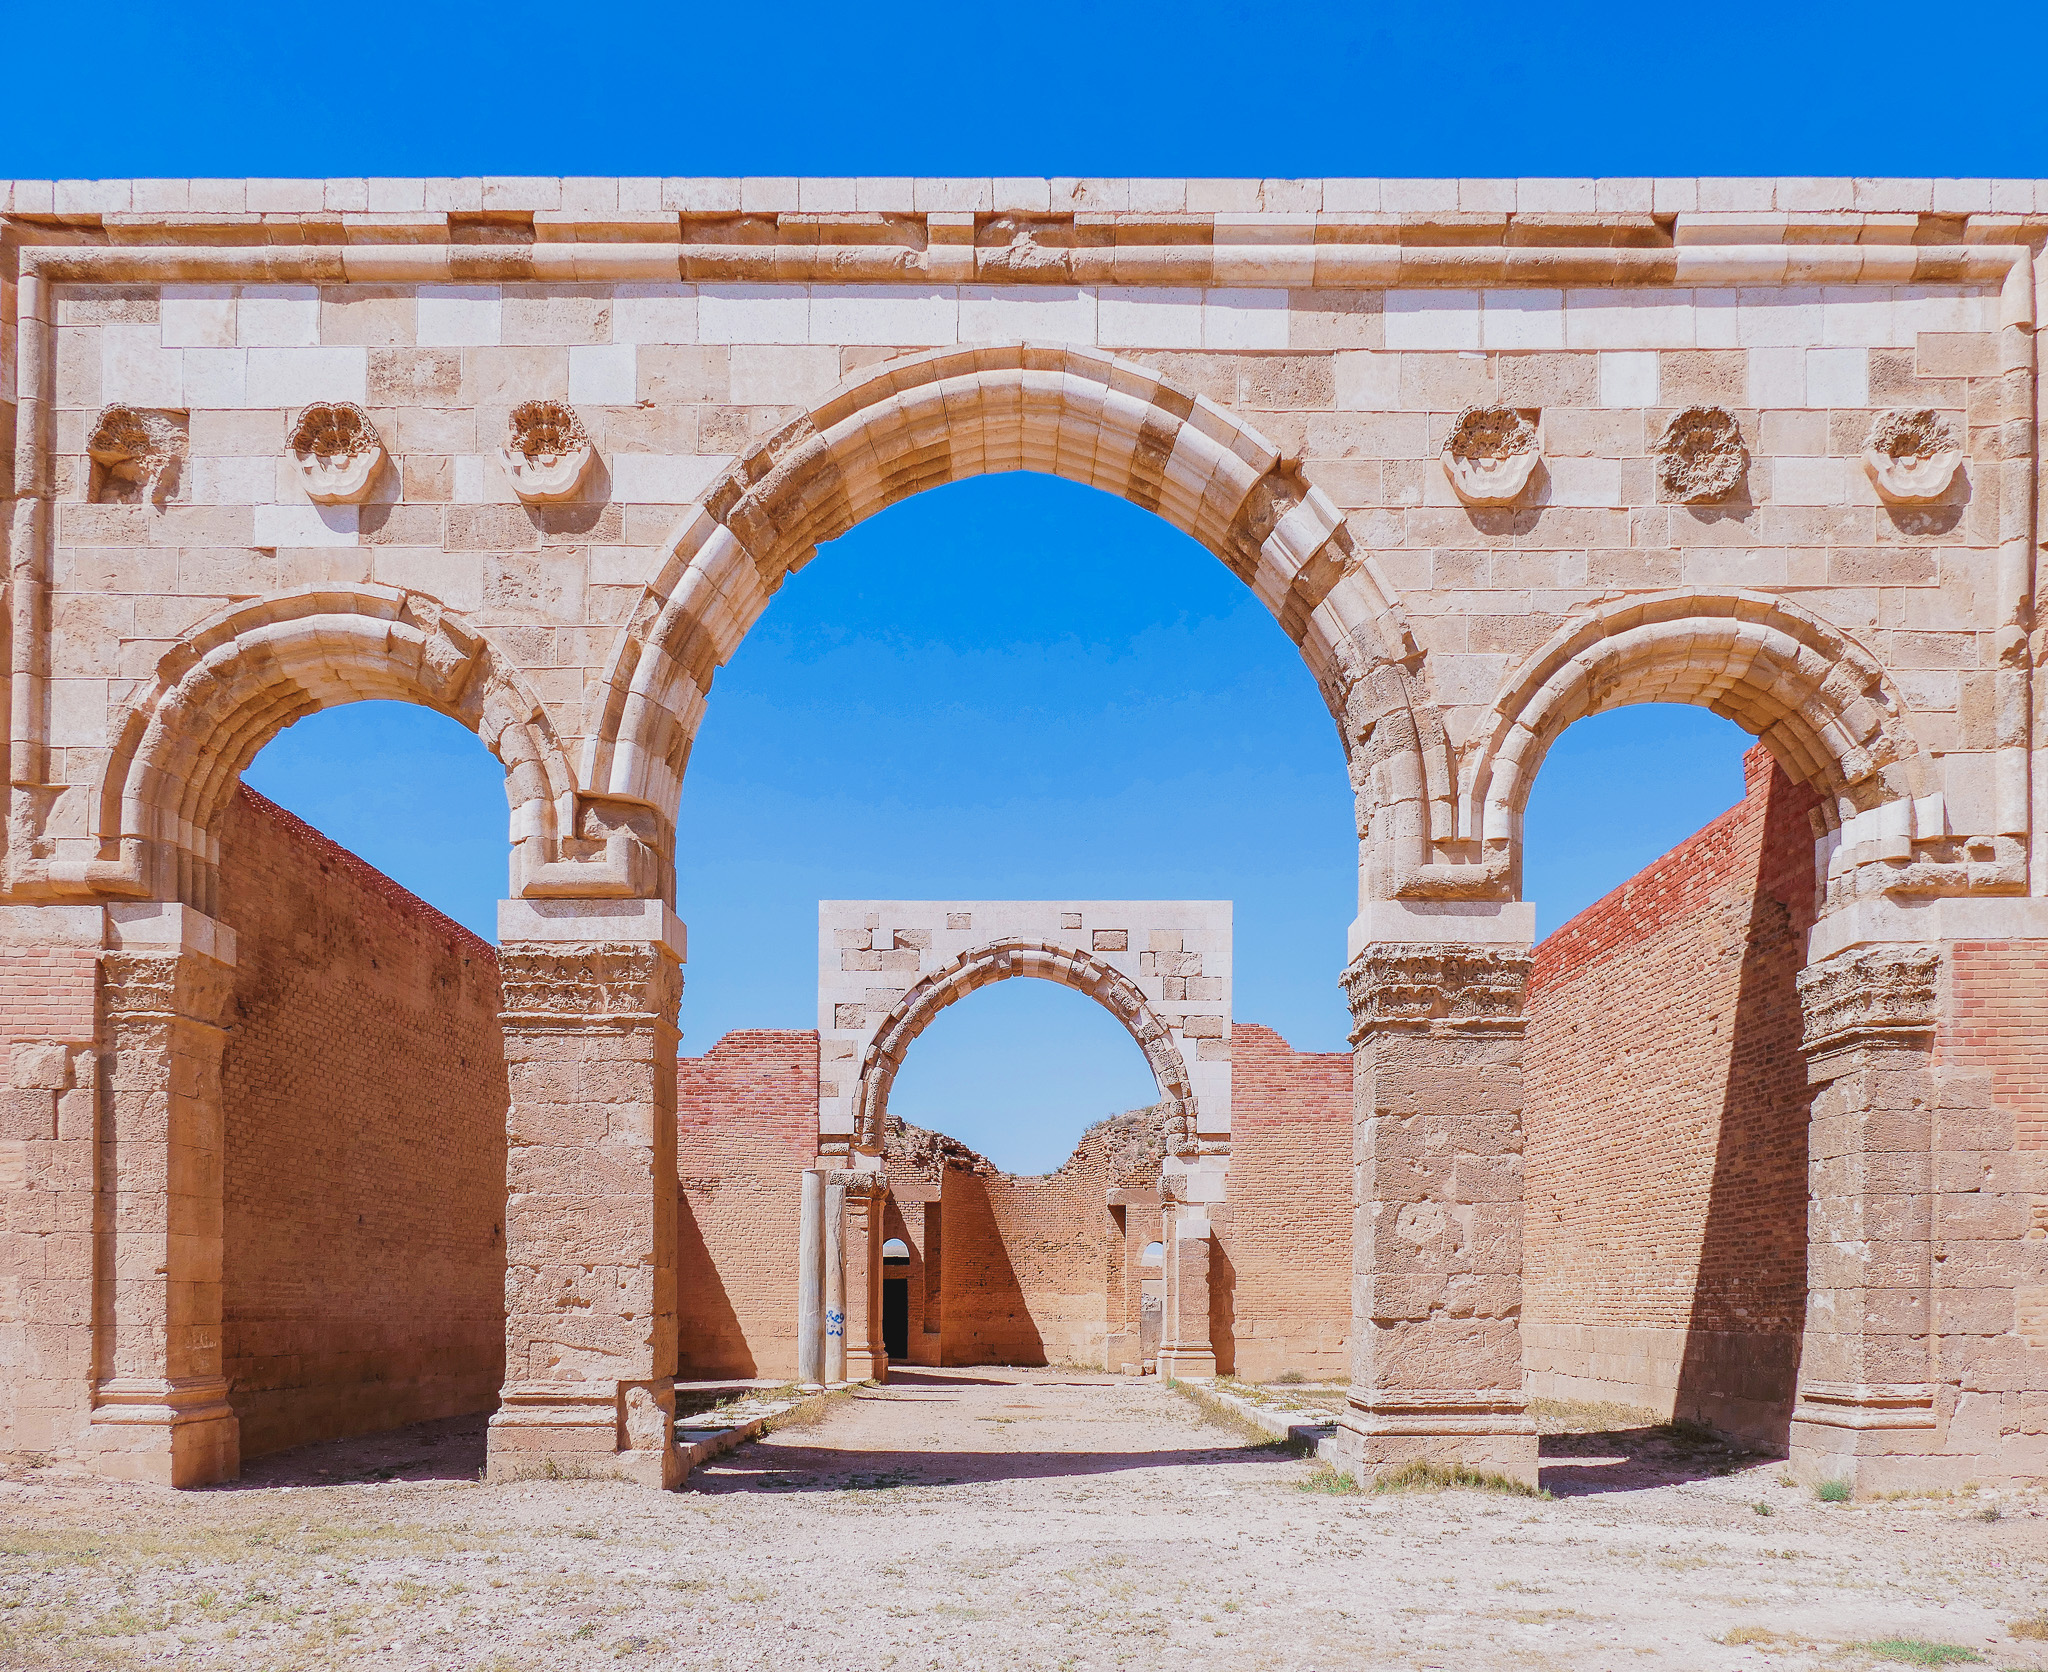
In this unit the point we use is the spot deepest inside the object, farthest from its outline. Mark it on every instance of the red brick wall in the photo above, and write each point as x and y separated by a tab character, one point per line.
1996	1023
365	1096
1280	1285
1024	1274
747	1127
1666	1126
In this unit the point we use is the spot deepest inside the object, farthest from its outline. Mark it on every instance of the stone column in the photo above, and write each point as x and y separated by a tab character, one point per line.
867	1354
160	1396
1436	1367
590	1222
835	1283
1866	1404
810	1283
1185	1350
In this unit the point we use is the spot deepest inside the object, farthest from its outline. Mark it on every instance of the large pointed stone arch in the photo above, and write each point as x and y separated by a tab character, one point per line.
926	420
246	672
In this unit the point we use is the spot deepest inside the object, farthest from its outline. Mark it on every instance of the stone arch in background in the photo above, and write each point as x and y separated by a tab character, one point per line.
1002	961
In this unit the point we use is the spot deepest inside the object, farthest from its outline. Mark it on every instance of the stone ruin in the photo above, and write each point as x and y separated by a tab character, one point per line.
1460	438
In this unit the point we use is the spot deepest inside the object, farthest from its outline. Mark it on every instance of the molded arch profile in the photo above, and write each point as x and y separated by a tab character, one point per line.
248	671
919	422
1821	704
1000	961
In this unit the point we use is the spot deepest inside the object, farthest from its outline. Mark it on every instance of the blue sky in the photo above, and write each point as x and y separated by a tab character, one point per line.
1013	687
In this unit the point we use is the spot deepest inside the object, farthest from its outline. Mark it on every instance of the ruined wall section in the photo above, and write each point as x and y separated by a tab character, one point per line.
1280	1281
747	1127
365	1161
1666	1127
1030	1263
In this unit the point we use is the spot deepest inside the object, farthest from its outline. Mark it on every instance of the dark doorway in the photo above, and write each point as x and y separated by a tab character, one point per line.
896	1316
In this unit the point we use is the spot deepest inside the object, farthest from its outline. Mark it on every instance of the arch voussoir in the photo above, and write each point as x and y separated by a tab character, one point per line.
924	421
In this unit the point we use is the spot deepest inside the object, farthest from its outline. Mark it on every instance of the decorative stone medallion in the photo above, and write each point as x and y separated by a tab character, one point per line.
1912	455
338	452
1700	455
135	454
1490	454
546	452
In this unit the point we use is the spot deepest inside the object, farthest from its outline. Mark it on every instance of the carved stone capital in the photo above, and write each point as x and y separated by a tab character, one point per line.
589	983
1880	995
140	988
1427	986
862	1188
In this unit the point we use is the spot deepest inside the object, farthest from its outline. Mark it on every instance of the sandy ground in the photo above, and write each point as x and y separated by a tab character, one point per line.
1001	1519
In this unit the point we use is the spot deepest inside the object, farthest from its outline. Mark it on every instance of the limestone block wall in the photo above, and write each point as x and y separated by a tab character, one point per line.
1665	1228
47	1131
1280	1292
746	1128
364	1165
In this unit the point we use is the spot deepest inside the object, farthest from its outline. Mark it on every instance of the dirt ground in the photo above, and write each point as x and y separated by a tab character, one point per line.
1004	1519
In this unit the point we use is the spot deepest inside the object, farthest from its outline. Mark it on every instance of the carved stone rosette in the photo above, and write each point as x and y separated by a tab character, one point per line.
1417	987
586	982
1884	995
1912	455
337	451
1490	455
546	452
1700	455
136	454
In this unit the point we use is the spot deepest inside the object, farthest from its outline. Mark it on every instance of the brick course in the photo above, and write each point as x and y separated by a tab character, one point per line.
1280	1294
746	1126
365	1162
1666	1126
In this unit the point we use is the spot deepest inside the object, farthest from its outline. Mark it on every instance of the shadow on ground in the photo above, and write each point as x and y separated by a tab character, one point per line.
819	1469
449	1448
1637	1459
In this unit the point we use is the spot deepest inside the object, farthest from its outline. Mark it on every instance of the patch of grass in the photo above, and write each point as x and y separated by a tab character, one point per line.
1917	1651
1762	1508
1761	1637
1990	1512
1326	1479
2033	1629
1833	1491
1289	1379
1589	1416
1425	1475
1229	1416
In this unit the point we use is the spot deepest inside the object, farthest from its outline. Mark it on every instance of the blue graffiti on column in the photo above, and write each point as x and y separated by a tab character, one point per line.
835	1323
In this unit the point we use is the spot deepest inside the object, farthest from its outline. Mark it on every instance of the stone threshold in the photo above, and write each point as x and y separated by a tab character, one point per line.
1308	1427
748	1418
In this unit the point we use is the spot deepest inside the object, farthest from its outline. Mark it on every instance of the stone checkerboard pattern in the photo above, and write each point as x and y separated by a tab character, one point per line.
741	370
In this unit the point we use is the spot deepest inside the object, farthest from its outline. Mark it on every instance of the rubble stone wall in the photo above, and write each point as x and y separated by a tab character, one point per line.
365	1158
1666	1127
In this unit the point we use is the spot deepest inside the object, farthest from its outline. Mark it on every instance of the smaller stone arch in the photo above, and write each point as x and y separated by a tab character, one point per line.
886	968
246	672
1823	706
1001	961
